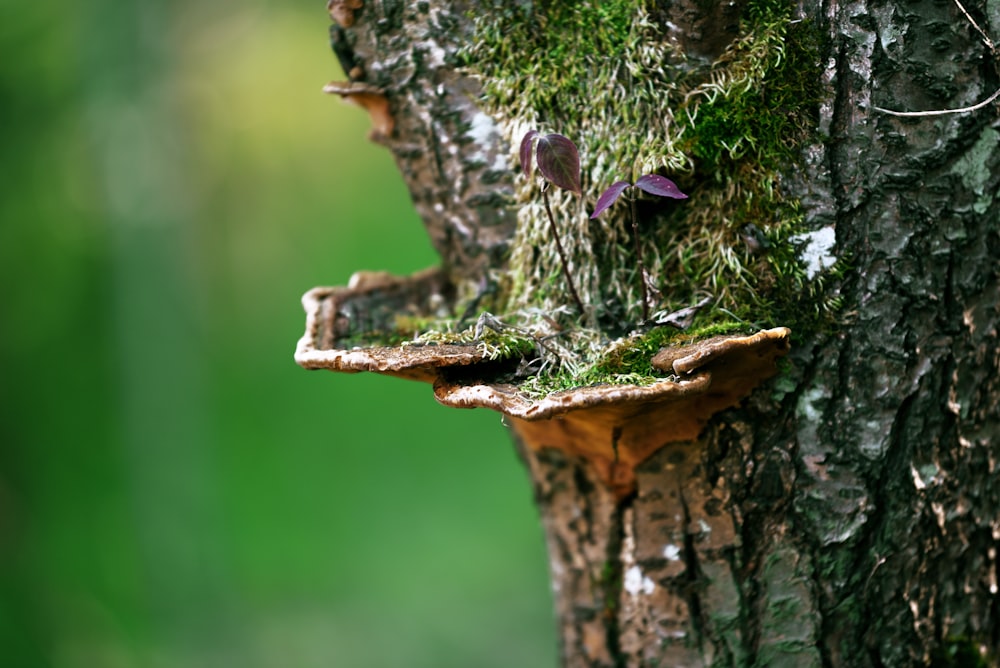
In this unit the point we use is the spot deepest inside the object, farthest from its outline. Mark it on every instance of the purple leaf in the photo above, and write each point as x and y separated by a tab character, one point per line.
658	185
608	197
559	161
526	145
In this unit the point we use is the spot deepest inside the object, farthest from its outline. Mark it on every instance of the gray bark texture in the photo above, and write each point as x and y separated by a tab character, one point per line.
848	512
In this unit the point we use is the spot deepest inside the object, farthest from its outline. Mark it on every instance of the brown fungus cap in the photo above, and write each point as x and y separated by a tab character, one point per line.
343	322
342	11
615	427
372	100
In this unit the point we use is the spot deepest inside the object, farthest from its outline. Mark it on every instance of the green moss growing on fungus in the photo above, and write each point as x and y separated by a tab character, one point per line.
602	73
496	344
956	651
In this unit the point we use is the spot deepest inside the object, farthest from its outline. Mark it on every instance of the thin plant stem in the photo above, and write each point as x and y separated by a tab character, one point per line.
986	38
638	258
562	253
939	112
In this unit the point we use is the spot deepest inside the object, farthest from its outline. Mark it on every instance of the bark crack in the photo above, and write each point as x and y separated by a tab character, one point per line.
612	584
691	574
885	490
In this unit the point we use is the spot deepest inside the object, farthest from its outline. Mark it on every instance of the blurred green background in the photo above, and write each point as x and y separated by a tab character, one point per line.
174	490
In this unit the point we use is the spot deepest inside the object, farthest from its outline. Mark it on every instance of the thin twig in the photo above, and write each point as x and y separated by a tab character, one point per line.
940	112
638	258
986	39
562	253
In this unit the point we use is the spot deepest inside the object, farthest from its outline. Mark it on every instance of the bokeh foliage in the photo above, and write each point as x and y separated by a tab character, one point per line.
174	491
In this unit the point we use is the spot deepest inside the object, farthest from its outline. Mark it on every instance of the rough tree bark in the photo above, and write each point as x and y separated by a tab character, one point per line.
848	512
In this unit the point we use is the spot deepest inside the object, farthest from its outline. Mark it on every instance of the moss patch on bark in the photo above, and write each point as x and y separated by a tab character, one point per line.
609	77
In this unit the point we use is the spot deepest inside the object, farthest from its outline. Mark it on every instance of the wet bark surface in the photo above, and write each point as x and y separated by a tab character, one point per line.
849	513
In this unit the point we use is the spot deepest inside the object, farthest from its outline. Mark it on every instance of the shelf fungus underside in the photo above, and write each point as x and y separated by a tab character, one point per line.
613	426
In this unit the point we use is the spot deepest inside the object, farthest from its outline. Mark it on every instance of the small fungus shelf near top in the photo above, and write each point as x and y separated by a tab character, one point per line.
614	426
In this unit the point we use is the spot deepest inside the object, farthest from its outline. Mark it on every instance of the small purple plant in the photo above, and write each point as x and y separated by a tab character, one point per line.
653	184
559	163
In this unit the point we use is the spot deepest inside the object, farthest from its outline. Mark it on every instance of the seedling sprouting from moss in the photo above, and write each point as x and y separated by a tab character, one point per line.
653	184
559	163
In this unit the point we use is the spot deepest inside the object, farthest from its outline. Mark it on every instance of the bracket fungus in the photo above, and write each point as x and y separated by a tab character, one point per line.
342	11
369	98
614	427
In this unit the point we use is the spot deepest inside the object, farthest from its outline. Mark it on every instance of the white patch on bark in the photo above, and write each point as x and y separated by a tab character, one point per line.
817	252
672	552
807	403
483	132
636	583
873	439
557	571
434	56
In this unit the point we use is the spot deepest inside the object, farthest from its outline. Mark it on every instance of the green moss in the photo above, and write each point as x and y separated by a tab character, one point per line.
502	343
626	360
566	45
601	72
610	582
632	356
548	68
496	343
745	125
960	651
394	331
765	122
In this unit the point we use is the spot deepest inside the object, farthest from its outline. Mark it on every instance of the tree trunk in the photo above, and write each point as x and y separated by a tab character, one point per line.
848	512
